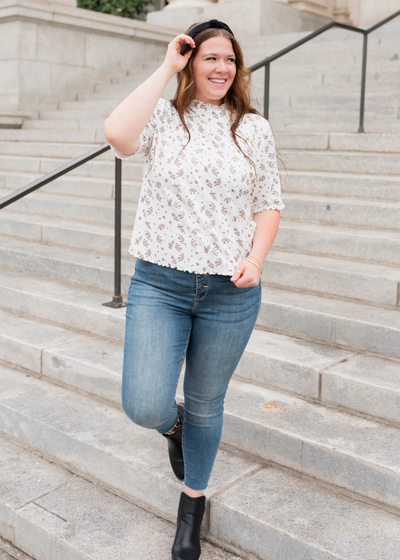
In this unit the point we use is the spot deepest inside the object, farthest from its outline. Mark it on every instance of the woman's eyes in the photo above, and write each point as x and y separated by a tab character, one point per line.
210	57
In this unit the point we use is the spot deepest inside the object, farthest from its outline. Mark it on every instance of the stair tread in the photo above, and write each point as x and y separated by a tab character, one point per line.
284	223
63	253
336	308
69	515
304	420
103	229
65	199
259	499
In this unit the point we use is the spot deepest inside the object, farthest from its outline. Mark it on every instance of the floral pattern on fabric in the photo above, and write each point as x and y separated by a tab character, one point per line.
195	210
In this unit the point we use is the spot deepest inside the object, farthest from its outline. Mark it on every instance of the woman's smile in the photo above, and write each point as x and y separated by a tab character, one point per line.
216	57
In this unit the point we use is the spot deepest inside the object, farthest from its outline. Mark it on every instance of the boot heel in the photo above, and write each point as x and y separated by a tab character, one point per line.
187	538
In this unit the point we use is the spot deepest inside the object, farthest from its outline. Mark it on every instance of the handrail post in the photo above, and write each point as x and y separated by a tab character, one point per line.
266	89
363	83
117	298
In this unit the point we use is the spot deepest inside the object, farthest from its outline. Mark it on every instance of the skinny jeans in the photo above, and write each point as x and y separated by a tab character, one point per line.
173	315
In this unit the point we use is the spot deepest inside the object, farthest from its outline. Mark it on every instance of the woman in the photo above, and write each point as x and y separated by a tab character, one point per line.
203	227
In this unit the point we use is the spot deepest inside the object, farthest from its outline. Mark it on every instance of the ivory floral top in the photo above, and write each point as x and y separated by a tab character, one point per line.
195	210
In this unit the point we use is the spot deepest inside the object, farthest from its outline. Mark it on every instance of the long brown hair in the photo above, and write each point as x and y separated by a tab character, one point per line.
237	98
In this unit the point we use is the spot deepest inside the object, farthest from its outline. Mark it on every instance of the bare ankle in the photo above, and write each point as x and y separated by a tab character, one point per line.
193	493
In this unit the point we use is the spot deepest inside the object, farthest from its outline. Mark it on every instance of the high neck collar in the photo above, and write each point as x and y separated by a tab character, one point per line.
196	104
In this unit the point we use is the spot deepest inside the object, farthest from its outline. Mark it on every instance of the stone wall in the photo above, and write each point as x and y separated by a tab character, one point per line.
247	18
51	52
368	12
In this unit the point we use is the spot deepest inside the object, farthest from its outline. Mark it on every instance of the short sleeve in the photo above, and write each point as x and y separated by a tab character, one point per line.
267	189
147	134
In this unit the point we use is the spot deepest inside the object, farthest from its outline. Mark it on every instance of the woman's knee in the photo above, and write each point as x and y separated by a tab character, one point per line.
143	413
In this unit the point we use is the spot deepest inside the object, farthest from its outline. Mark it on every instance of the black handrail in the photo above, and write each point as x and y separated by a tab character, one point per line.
59	172
117	301
266	63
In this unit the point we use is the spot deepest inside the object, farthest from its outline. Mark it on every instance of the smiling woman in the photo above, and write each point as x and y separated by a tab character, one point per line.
214	71
202	229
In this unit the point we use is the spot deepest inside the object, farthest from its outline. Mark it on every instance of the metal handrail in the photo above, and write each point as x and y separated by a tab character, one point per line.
59	172
266	63
117	301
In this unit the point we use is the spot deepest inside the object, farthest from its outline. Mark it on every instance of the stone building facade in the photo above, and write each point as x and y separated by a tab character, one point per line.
362	13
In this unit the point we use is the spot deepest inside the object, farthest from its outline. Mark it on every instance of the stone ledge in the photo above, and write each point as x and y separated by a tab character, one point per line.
80	18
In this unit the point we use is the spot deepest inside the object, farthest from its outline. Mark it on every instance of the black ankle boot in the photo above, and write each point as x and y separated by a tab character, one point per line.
187	539
175	446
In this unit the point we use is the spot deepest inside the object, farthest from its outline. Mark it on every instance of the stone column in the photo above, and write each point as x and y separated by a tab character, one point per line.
342	13
187	3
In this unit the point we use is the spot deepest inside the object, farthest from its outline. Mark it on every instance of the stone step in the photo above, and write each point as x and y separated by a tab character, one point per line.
39	500
66	136
44	149
34	143
362	384
380	247
328	124
331	113
335	211
98	441
390	101
326	112
313	84
350	325
305	510
340	185
318	94
331	62
342	162
345	324
333	35
108	105
345	99
346	212
38	513
352	280
85	123
297	74
69	185
314	58
95	210
340	142
59	231
350	453
128	85
299	125
103	166
76	266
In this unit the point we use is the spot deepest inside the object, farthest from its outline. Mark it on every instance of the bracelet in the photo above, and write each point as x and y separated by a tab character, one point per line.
255	261
252	257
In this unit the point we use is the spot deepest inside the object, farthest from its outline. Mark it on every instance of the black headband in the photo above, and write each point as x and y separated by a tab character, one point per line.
213	23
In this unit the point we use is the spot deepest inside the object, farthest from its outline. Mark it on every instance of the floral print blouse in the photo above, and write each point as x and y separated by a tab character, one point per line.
195	211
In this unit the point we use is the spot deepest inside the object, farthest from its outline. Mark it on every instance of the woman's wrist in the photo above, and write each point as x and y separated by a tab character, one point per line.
255	261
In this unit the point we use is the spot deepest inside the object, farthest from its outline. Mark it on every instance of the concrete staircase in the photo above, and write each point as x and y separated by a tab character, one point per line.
309	464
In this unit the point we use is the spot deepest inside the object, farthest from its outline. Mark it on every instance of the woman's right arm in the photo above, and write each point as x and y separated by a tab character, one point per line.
128	120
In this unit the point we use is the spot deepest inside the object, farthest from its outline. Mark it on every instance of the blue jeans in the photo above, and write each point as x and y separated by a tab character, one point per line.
172	314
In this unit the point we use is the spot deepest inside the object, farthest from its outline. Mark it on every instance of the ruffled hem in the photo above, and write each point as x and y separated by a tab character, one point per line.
131	252
270	207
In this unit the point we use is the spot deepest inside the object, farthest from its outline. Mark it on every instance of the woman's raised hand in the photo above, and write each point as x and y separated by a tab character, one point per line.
174	59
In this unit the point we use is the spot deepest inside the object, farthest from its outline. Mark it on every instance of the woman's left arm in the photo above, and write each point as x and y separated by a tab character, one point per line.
267	227
266	206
